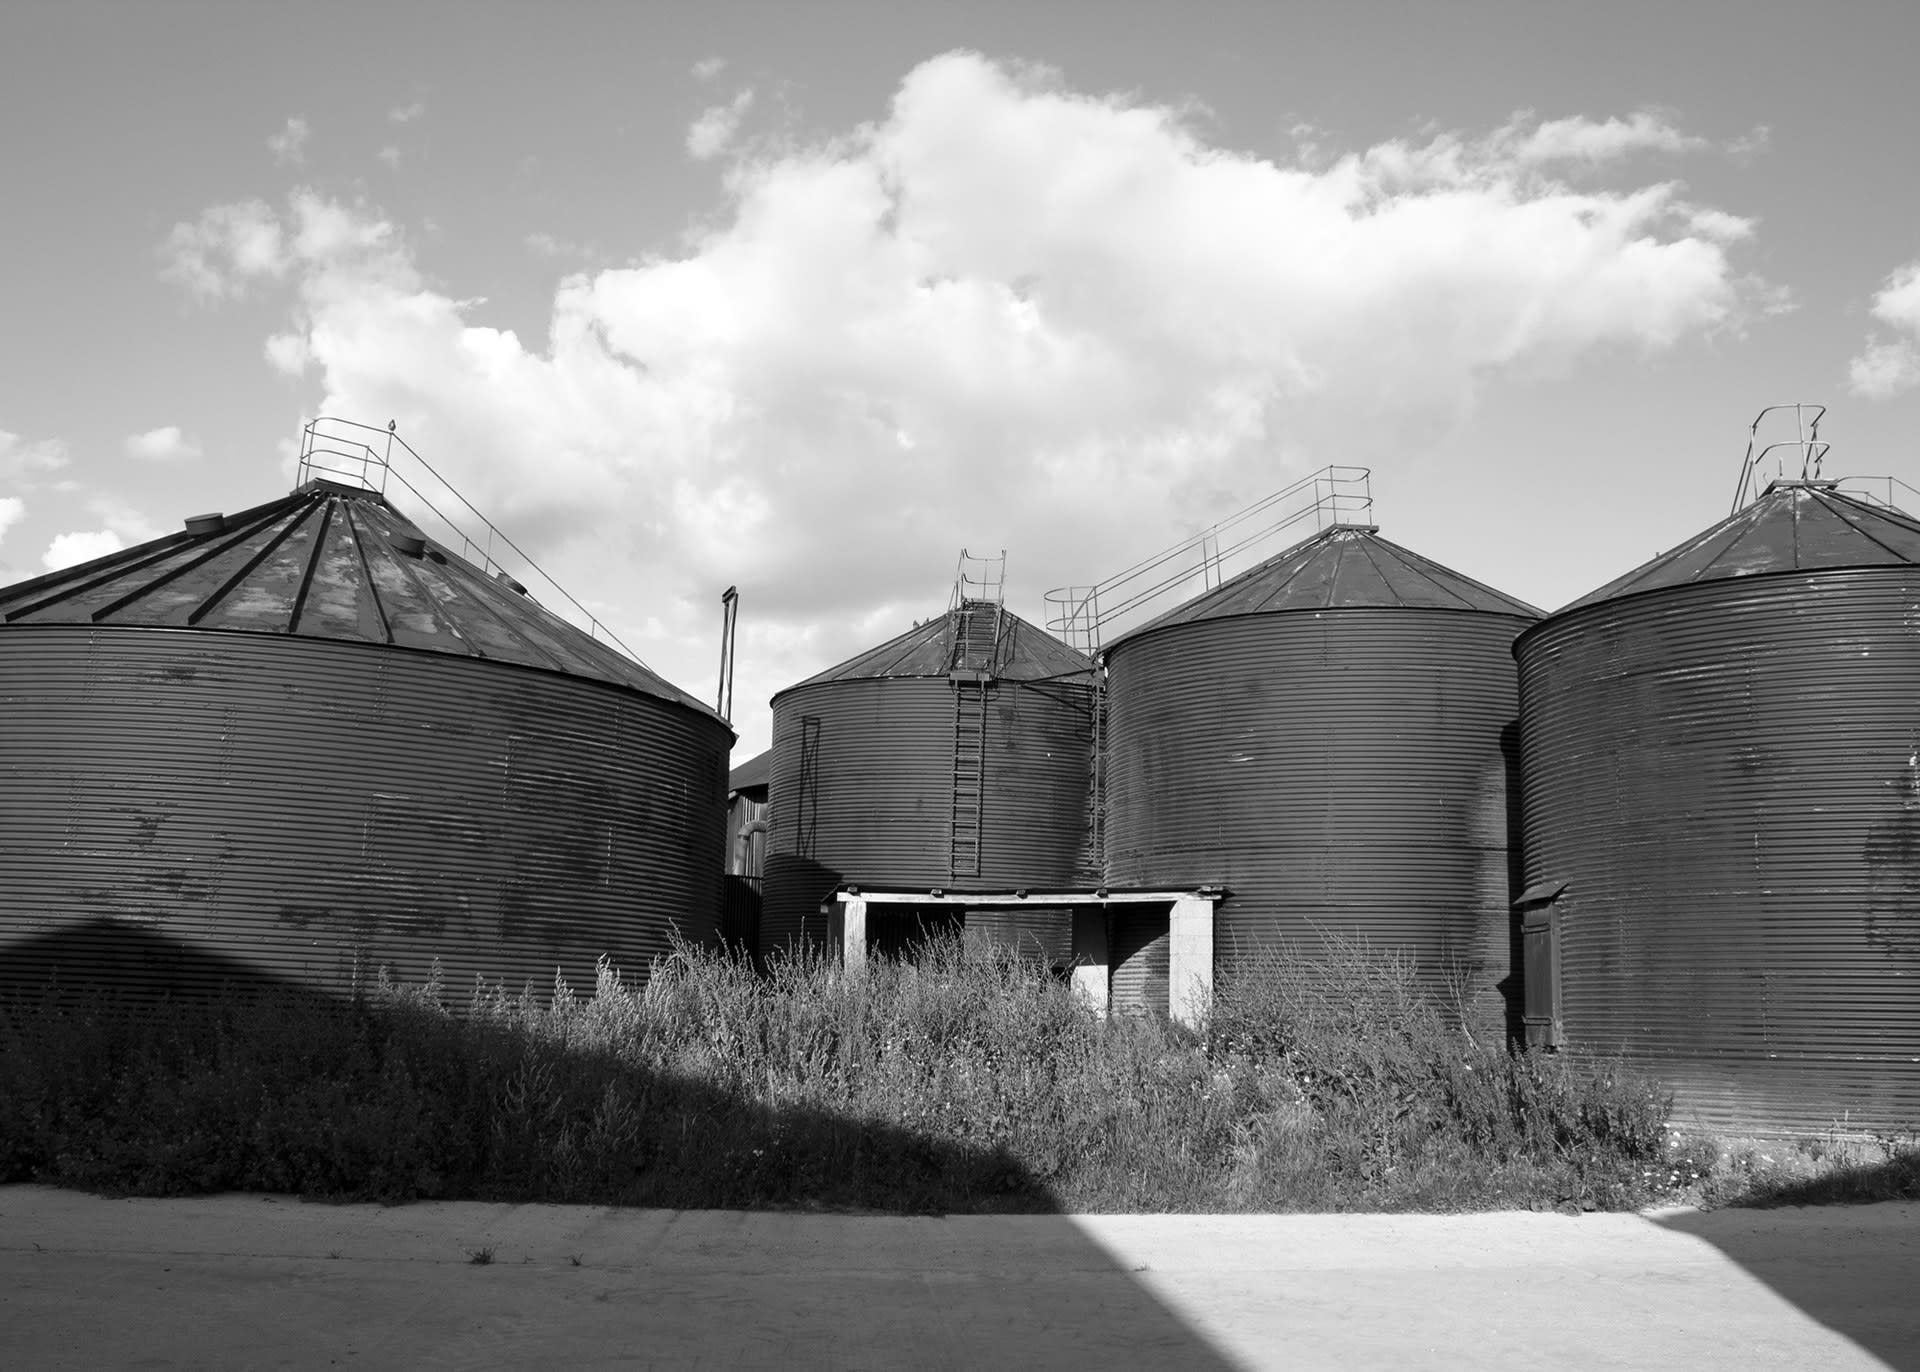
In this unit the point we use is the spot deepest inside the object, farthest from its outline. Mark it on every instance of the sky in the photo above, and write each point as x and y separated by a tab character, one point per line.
805	298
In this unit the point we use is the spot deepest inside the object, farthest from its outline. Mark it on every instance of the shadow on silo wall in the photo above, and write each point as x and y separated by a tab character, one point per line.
126	962
790	915
1512	987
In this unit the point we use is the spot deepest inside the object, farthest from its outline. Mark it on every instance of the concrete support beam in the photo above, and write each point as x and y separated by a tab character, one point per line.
1091	968
847	930
1190	960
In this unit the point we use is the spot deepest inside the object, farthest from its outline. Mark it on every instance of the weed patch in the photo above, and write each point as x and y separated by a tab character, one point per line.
959	1078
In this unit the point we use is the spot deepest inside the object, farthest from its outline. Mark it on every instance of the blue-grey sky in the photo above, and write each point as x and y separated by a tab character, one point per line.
805	297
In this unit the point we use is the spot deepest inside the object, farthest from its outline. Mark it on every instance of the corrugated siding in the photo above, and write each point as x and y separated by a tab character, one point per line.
1342	770
1142	978
1728	779
1043	934
746	836
894	931
740	913
179	807
862	790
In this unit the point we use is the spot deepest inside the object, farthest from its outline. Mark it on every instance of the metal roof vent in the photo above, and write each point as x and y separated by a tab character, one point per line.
206	523
408	544
510	583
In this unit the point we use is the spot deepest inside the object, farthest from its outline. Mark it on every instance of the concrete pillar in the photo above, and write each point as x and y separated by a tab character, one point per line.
1091	971
853	932
1190	960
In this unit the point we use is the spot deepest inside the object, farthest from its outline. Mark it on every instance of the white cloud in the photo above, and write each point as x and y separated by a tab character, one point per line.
289	146
552	246
406	114
287	353
1885	367
713	132
166	444
390	155
12	511
228	247
708	67
23	462
70	550
1003	315
1580	139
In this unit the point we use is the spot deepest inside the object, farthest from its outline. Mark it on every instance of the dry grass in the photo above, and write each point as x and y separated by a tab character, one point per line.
962	1079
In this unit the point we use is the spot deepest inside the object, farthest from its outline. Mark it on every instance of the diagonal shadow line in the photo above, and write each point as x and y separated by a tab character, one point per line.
1853	1268
700	1145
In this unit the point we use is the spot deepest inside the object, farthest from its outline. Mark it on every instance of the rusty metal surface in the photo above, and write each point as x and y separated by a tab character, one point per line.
326	562
1342	567
179	807
1726	774
862	789
1341	770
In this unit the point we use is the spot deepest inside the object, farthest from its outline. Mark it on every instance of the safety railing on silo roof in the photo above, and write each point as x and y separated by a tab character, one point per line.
1088	616
1806	444
353	453
1880	490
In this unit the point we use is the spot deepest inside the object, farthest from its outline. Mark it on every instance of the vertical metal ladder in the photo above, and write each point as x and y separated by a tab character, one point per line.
1095	862
976	621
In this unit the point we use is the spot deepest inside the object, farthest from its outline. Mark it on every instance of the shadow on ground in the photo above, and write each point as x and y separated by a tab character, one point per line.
275	1089
1854	1268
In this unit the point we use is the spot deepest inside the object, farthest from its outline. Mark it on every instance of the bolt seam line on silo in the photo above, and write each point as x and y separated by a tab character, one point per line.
433	607
267	549
313	562
366	573
188	565
1861	530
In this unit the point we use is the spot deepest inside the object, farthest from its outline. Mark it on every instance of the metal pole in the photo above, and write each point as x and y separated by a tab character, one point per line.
729	615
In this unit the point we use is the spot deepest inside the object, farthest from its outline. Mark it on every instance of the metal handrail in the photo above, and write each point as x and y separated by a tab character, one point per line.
324	442
1332	495
1812	451
1874	498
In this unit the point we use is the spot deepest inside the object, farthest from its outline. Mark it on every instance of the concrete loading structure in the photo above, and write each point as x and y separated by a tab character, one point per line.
304	742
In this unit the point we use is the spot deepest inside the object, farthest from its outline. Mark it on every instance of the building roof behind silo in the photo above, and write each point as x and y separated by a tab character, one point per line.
1796	526
963	639
753	774
1345	567
329	562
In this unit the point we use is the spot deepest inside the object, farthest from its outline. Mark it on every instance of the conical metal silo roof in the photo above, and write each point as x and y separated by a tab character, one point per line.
1022	652
1345	567
1796	526
326	562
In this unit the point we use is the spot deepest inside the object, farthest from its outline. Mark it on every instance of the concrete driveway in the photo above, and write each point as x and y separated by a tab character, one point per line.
253	1281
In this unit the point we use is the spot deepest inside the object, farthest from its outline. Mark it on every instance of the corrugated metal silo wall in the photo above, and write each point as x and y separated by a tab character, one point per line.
1341	771
1142	954
1728	778
862	790
179	808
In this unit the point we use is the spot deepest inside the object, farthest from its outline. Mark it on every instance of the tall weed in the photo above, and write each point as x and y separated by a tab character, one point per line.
960	1077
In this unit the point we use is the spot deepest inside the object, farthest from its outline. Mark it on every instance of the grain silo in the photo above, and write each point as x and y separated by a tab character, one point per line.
305	742
1721	799
956	756
1328	736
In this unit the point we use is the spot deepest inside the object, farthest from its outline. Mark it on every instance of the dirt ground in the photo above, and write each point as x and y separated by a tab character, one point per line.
255	1281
